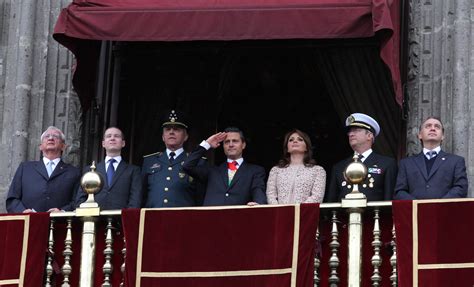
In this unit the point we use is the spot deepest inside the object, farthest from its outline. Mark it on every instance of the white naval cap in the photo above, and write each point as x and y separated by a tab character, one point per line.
363	121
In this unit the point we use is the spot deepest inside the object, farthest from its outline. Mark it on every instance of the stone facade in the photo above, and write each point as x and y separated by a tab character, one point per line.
36	90
440	75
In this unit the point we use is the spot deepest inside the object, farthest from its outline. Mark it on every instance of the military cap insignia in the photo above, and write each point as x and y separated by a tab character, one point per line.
350	119
173	117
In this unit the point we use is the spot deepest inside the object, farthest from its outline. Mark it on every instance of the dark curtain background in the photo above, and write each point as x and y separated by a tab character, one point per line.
358	81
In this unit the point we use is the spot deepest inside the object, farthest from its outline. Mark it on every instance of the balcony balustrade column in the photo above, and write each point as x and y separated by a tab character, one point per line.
377	244
317	261
49	264
393	259
67	268
108	253
334	245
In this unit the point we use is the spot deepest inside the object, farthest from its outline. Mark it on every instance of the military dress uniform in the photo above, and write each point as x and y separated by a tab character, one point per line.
166	182
382	170
378	186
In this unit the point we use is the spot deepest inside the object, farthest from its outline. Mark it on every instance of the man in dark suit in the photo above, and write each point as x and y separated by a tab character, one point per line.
432	173
122	181
382	170
165	182
47	185
234	182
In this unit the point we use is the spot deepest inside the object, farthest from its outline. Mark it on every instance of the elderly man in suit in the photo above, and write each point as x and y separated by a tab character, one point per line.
123	184
235	182
382	170
47	185
432	173
165	182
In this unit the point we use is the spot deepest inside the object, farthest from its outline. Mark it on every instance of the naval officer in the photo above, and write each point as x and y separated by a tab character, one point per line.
382	170
165	182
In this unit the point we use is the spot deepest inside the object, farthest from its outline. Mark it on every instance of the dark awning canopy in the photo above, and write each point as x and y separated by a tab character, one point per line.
218	20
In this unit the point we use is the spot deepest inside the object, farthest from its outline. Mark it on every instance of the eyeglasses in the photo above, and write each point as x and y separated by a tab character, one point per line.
51	136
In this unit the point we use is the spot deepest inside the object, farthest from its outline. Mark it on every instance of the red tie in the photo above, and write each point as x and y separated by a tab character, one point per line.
232	165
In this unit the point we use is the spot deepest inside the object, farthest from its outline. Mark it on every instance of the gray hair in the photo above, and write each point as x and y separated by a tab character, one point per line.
53	128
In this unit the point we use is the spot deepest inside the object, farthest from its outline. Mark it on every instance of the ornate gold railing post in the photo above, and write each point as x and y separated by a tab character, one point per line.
49	264
355	202
108	253
89	211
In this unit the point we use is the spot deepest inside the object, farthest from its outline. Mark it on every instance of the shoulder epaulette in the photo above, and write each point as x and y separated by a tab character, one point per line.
155	153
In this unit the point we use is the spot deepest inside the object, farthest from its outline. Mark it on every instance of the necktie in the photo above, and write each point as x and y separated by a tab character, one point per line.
232	166
360	156
431	154
110	171
49	167
172	154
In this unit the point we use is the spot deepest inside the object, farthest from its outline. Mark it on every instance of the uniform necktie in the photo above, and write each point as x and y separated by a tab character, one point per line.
431	154
49	167
110	171
172	154
360	156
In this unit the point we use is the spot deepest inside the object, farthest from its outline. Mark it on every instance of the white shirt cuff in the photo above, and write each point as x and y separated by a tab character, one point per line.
205	145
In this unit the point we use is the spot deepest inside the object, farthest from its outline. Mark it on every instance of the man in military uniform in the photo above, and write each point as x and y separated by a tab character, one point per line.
382	171
165	183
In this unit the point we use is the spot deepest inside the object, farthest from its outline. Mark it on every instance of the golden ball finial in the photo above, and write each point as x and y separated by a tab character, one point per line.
92	181
356	171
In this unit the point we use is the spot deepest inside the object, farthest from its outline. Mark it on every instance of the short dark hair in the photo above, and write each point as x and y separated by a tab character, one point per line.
434	118
235	130
114	127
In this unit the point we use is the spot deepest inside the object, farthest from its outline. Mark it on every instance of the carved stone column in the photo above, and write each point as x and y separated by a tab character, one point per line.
36	89
439	74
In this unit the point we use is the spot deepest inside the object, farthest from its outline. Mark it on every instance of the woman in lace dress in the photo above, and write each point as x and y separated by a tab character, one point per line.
296	178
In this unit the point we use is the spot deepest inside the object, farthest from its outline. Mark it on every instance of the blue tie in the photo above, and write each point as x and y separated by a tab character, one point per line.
110	171
49	167
432	154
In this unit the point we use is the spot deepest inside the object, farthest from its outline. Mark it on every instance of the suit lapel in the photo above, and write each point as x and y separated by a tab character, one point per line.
59	169
421	164
102	172
224	174
438	161
238	174
41	169
120	169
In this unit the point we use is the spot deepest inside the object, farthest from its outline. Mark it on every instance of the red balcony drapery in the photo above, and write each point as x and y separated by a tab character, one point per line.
167	20
434	242
236	246
23	246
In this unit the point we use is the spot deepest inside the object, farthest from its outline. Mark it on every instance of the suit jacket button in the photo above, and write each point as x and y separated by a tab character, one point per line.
165	200
427	186
168	178
170	168
227	194
166	189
